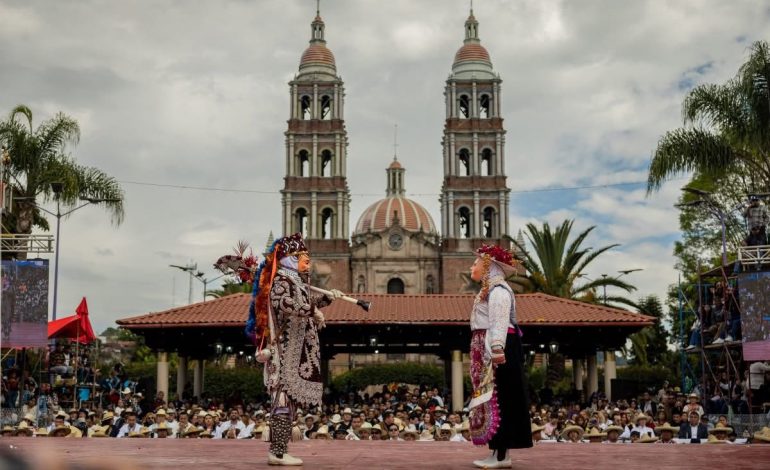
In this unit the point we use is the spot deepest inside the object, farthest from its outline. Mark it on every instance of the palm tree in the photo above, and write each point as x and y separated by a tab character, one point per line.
726	129
38	158
556	266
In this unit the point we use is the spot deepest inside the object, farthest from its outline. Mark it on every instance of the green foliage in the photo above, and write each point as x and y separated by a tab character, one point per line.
649	345
647	374
245	382
536	377
38	158
230	287
555	264
377	374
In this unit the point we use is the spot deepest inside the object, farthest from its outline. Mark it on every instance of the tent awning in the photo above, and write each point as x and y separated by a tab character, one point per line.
75	327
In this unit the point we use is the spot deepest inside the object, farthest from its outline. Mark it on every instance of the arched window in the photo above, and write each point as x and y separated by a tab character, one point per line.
305	112
465	162
395	286
429	284
326	163
361	284
464	107
489	222
327	223
302	222
326	107
484	107
464	222
486	162
303	163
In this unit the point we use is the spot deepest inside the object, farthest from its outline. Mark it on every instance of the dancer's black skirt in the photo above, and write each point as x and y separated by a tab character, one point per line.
514	431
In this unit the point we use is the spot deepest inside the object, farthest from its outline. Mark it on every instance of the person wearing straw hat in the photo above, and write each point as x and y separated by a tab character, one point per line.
60	431
365	431
721	431
41	432
462	432
99	431
258	431
7	431
24	430
666	433
646	439
693	405
410	433
762	436
537	432
595	436
162	430
283	323
335	422
613	434
377	432
572	433
322	433
445	432
311	425
192	432
641	427
499	415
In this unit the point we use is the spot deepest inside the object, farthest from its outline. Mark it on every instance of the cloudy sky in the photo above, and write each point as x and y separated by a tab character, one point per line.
194	93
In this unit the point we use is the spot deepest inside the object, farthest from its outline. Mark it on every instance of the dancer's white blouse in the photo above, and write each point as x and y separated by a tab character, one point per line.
496	314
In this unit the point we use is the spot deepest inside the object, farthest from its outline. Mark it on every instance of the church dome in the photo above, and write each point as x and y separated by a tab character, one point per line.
472	59
317	54
472	52
383	214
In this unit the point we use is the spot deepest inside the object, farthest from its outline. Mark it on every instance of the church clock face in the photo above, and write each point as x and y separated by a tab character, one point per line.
395	241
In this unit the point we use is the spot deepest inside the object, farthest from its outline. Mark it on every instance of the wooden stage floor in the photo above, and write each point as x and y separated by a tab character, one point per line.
148	454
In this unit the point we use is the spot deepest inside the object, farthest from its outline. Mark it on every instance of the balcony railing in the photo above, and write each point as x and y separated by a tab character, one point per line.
754	255
26	243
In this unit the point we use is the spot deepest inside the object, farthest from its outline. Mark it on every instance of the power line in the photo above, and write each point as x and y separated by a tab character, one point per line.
257	191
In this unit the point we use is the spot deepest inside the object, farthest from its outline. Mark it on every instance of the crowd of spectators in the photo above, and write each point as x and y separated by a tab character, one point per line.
400	413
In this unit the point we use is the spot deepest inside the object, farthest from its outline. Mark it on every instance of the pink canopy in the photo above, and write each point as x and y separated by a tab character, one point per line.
76	327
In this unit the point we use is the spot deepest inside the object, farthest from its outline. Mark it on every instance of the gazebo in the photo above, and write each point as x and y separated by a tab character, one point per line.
427	324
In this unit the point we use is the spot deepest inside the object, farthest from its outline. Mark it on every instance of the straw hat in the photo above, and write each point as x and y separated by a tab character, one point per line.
29	417
207	434
61	414
713	440
126	391
336	419
446	427
41	432
617	429
258	430
641	416
347	411
160	412
569	429
666	427
313	417
410	430
647	439
100	432
426	435
24	428
595	433
322	433
721	428
763	435
693	395
202	414
60	431
367	425
535	428
438	410
192	431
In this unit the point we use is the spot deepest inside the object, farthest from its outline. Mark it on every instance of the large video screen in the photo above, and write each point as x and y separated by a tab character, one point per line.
755	318
24	304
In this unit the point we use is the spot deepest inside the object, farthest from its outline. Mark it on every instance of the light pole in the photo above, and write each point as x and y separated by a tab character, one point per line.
199	276
605	276
190	269
57	189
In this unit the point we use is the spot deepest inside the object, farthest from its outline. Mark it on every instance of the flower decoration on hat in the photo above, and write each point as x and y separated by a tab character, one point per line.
497	253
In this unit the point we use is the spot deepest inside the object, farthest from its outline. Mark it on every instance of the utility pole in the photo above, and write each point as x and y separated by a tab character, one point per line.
189	269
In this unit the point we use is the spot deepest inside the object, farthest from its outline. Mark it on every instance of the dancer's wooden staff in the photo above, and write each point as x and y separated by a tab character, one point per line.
364	304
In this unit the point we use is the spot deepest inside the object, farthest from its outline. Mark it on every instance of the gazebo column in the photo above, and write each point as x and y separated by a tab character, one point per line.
609	372
181	376
198	377
162	374
577	373
457	381
593	376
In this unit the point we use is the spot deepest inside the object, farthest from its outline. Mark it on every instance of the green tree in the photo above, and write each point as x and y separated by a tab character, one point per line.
726	129
38	157
649	345
556	265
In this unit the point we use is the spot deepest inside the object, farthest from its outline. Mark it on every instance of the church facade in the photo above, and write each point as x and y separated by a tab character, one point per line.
395	245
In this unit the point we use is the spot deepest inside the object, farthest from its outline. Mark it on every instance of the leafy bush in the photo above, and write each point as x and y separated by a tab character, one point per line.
376	374
652	376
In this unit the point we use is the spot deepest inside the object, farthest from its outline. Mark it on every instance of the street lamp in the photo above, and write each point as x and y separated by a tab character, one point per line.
57	188
199	276
553	346
190	270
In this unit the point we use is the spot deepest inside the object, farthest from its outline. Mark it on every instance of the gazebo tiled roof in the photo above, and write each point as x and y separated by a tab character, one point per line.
437	309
